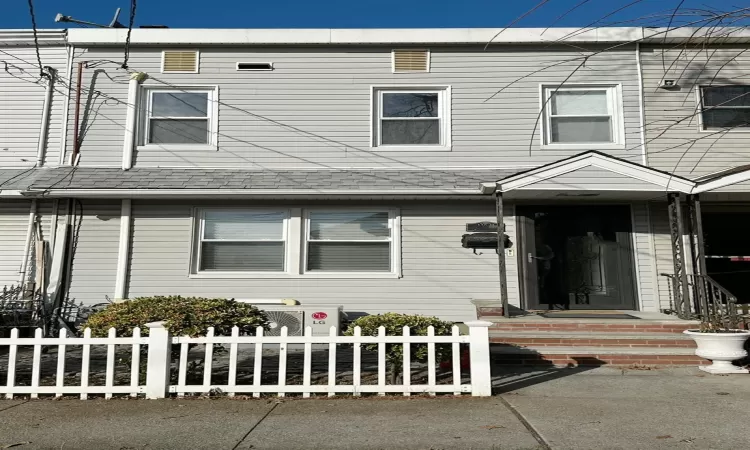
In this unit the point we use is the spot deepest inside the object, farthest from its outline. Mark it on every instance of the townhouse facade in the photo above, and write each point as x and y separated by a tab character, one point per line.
360	167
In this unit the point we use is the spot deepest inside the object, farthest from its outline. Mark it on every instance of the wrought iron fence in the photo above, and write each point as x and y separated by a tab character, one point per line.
708	301
22	306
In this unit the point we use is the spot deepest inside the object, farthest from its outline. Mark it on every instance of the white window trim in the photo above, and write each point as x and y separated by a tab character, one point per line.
614	98
197	60
213	117
445	104
290	256
394	223
701	126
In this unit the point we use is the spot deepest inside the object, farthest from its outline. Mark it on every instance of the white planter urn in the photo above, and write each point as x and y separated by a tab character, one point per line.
721	349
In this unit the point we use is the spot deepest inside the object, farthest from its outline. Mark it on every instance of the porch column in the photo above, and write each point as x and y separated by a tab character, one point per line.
676	229
501	254
697	251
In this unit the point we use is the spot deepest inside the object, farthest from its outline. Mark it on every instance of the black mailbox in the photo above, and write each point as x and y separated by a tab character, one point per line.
483	240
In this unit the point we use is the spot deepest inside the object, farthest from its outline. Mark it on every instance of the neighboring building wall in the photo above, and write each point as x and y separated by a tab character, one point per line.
314	109
22	97
439	276
96	243
676	142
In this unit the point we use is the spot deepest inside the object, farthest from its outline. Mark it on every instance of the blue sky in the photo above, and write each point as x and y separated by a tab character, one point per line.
346	13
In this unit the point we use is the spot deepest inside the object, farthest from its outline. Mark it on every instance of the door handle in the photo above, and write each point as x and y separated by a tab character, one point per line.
531	257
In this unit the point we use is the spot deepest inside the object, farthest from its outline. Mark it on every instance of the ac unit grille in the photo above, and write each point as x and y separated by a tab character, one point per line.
180	61
293	320
411	61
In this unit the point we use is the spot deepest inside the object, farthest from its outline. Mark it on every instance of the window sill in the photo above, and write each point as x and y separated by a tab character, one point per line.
178	147
724	130
592	146
411	148
262	275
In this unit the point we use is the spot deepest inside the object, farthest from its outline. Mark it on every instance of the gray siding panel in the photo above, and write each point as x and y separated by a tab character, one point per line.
22	98
663	250
95	259
313	109
14	219
676	142
644	258
439	276
595	178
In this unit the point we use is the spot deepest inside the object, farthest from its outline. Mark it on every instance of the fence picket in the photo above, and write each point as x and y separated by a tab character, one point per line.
182	370
258	362
332	362
307	365
36	365
110	374
381	360
85	360
209	359
431	361
135	362
60	376
233	360
456	359
357	363
282	359
406	364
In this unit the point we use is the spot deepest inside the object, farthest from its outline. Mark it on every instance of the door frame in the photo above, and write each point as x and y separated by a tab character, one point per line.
528	290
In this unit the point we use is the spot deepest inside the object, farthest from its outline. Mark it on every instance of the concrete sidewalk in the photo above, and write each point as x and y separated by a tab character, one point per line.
559	409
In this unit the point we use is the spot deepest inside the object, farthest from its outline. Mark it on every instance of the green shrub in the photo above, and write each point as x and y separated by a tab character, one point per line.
394	324
191	316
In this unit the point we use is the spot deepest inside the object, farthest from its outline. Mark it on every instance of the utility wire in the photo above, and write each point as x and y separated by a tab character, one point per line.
36	38
133	5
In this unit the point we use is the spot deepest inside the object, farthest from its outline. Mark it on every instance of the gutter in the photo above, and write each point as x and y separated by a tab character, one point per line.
47	106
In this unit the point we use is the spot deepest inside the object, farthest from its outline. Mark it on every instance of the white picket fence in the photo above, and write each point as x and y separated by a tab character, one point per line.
159	363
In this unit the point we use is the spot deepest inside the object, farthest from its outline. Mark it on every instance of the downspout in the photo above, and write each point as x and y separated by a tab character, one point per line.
76	120
130	120
27	244
123	252
44	131
66	108
642	115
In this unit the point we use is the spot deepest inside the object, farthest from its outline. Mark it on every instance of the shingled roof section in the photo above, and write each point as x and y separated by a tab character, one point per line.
82	178
17	179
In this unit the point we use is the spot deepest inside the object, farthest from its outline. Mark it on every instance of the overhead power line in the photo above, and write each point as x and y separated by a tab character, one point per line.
36	39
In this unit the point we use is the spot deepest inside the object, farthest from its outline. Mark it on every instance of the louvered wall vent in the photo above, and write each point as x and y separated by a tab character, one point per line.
411	61
179	61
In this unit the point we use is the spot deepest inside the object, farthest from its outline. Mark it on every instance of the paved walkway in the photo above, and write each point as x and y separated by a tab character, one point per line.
558	409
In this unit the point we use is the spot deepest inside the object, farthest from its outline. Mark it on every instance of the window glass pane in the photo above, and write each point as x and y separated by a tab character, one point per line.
726	96
410	104
579	103
343	226
242	256
176	131
179	104
410	132
349	256
581	129
726	118
243	225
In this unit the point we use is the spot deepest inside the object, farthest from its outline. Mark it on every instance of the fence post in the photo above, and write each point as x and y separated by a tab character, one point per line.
159	360
479	351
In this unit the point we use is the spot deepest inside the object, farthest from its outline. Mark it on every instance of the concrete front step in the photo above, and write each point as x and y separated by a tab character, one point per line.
590	339
594	356
594	326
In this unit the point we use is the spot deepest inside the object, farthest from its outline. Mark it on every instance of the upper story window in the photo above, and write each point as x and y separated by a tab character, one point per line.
725	107
582	115
411	119
240	240
184	117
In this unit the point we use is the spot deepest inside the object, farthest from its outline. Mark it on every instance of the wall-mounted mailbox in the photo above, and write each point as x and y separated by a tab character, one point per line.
482	227
483	240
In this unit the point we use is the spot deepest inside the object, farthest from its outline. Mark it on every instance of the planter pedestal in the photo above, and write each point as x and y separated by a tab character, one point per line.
721	349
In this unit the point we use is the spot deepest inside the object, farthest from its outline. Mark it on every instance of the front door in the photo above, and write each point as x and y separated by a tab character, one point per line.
576	257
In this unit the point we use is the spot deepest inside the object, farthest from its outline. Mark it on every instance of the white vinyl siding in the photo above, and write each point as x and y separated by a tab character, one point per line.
345	241
236	240
582	116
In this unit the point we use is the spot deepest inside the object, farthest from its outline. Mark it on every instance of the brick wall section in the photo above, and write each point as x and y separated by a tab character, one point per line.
653	361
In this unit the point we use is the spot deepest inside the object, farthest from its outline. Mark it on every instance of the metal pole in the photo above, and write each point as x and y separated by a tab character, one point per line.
501	254
678	252
76	141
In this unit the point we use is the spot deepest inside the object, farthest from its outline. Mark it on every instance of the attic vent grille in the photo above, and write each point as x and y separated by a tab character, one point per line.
180	61
411	61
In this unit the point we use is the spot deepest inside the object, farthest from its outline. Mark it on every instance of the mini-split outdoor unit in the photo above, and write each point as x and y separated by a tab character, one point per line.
297	317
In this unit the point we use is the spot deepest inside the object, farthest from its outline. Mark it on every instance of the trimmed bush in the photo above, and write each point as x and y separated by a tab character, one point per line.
394	324
183	316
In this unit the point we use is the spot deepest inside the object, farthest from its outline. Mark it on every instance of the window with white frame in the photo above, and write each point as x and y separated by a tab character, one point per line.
241	240
725	107
350	241
411	117
184	116
582	115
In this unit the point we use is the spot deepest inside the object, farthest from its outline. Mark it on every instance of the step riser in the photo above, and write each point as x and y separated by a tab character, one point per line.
653	361
594	342
592	327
